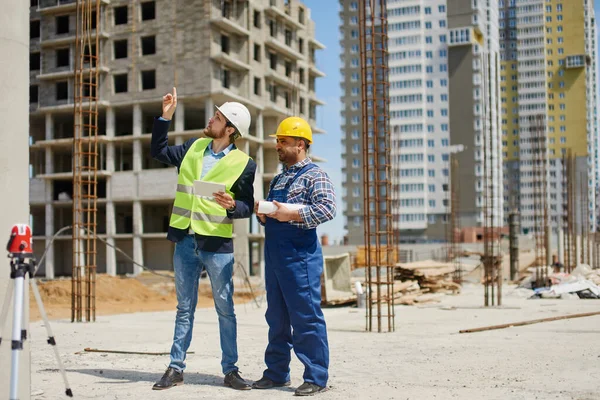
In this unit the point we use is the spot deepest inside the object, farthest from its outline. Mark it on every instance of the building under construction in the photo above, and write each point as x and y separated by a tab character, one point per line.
258	52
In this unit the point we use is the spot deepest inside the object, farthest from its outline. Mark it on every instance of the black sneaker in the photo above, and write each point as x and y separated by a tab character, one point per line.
266	383
309	389
235	381
171	377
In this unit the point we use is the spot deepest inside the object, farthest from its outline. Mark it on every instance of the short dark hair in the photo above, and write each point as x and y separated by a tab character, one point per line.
306	143
236	133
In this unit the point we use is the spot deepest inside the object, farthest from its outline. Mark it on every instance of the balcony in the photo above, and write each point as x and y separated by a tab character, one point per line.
313	70
231	62
274	11
49	76
280	79
68	38
227	21
577	61
316	43
49	7
283	48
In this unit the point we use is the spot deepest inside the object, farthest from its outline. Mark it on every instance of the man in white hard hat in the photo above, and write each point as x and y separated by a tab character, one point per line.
202	227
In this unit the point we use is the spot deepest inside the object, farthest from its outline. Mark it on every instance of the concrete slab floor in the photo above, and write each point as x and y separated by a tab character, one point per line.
425	358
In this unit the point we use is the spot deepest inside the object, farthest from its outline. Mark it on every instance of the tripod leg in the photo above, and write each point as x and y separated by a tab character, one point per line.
6	306
51	340
17	340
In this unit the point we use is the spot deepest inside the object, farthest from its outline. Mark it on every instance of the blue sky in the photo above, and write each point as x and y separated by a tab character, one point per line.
328	146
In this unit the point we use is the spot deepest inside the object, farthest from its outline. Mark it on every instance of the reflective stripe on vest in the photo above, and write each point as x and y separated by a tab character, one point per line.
204	216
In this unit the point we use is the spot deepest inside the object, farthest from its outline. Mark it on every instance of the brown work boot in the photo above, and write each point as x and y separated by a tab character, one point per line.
171	377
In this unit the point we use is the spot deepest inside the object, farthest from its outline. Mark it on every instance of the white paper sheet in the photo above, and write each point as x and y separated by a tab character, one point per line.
206	189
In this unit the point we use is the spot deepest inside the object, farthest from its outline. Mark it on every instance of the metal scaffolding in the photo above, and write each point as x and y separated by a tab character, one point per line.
85	161
377	173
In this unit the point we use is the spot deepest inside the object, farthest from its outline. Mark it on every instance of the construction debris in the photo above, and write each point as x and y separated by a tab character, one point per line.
432	276
583	282
534	321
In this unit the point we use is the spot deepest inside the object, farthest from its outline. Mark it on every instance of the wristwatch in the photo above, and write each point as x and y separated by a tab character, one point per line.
232	208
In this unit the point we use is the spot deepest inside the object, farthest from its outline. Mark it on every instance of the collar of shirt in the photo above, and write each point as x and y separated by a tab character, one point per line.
298	165
222	153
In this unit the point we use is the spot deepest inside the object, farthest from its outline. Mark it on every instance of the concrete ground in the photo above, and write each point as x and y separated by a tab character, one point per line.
425	358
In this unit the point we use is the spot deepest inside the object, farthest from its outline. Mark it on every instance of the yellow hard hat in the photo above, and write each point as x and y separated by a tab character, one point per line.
294	127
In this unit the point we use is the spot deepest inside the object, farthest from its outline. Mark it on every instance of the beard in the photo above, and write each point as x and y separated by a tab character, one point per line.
211	133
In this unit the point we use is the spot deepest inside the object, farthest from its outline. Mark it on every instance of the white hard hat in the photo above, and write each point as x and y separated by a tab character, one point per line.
237	114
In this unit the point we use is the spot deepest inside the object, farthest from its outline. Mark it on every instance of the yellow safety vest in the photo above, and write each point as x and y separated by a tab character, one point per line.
205	217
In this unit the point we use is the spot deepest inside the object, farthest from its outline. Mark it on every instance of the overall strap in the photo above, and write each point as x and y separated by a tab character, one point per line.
302	170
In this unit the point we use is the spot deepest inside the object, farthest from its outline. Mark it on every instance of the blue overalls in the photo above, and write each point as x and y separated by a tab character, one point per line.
293	267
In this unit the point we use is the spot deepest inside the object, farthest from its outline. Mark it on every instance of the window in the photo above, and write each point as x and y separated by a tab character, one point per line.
148	79
120	82
148	11
288	37
288	99
121	15
288	69
301	75
428	10
62	57
120	49
301	45
442	23
34	29
34	61
33	94
427	25
225	78
257	86
148	45
256	52
442	8
62	90
256	19
33	3
62	24
273	60
301	15
272	28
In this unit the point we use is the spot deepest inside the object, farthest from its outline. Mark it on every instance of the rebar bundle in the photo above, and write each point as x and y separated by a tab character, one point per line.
85	161
377	173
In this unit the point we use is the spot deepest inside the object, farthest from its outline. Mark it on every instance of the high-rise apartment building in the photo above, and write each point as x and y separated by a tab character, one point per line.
258	52
548	89
474	64
421	117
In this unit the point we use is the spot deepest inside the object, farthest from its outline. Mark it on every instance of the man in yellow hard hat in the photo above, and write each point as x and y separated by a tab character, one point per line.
294	263
202	227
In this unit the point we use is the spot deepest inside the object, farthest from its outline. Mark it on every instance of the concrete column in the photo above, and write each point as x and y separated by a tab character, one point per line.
209	110
178	140
14	168
138	229
259	125
180	117
137	131
49	260
49	127
111	254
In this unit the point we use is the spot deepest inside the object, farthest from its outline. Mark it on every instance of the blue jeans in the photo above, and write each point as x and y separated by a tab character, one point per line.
189	261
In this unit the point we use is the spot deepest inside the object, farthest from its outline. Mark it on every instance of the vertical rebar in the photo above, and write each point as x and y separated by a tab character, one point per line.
85	160
378	222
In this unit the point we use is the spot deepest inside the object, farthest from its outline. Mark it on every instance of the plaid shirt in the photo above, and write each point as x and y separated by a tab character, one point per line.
314	189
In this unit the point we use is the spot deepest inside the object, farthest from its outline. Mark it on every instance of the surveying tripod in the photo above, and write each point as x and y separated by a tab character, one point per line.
22	264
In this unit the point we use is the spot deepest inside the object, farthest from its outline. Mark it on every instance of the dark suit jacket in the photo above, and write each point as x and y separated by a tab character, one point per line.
243	188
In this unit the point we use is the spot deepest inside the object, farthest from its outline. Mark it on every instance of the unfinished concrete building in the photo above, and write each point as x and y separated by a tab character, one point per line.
258	52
